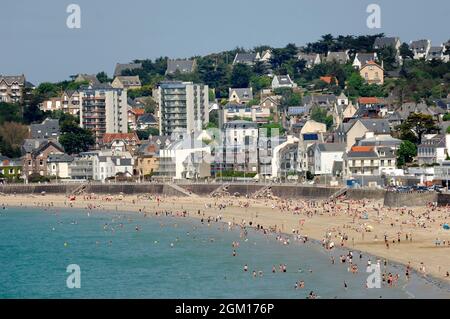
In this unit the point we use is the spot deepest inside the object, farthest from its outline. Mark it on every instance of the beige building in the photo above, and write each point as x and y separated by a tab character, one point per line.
68	102
312	127
147	161
126	82
361	128
372	73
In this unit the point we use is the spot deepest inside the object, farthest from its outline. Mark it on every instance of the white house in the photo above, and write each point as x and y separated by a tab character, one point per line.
284	158
363	58
108	164
325	154
185	159
420	48
282	81
58	165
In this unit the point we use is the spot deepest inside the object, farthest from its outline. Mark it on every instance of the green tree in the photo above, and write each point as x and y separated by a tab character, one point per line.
406	153
416	125
406	52
319	114
10	113
240	77
103	77
75	139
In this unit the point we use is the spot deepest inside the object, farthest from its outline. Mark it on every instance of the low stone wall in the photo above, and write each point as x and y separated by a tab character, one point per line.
156	189
358	194
287	191
37	189
412	199
443	199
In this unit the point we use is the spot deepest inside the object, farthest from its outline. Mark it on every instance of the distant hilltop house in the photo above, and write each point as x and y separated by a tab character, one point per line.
126	82
181	66
420	48
384	42
340	57
439	53
68	102
121	67
91	79
240	95
372	73
282	81
311	60
12	88
364	58
246	58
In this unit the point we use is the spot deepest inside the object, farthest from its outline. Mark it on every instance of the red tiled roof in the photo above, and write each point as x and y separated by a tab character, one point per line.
138	112
362	149
109	137
328	79
369	100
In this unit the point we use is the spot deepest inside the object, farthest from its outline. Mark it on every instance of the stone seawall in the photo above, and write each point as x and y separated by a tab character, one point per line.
413	199
287	191
391	199
443	199
37	189
358	194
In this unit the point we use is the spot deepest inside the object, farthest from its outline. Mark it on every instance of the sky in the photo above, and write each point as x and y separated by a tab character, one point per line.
36	41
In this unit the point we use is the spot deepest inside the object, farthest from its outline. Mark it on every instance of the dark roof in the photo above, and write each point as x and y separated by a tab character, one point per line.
327	99
59	158
242	93
10	79
331	147
48	128
340	57
147	118
182	66
127	66
245	58
382	42
378	126
365	57
240	124
419	45
36	145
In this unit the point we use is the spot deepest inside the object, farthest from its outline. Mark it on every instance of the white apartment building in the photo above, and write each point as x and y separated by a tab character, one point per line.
183	107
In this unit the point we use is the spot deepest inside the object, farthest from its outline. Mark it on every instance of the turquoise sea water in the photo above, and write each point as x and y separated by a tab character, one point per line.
125	263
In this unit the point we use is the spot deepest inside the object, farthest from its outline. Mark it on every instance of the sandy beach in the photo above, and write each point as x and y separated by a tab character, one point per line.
413	236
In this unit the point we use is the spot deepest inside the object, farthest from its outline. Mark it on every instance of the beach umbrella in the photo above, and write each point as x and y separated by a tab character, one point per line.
369	228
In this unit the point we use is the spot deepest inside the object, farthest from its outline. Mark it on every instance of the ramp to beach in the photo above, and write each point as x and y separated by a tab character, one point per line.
182	190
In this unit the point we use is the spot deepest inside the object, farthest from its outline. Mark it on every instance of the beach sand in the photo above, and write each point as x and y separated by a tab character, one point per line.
314	219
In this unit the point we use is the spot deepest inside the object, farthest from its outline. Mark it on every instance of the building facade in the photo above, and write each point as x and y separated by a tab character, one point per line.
184	107
103	110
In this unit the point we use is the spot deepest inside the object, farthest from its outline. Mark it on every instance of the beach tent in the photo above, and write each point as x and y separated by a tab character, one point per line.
369	228
446	227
